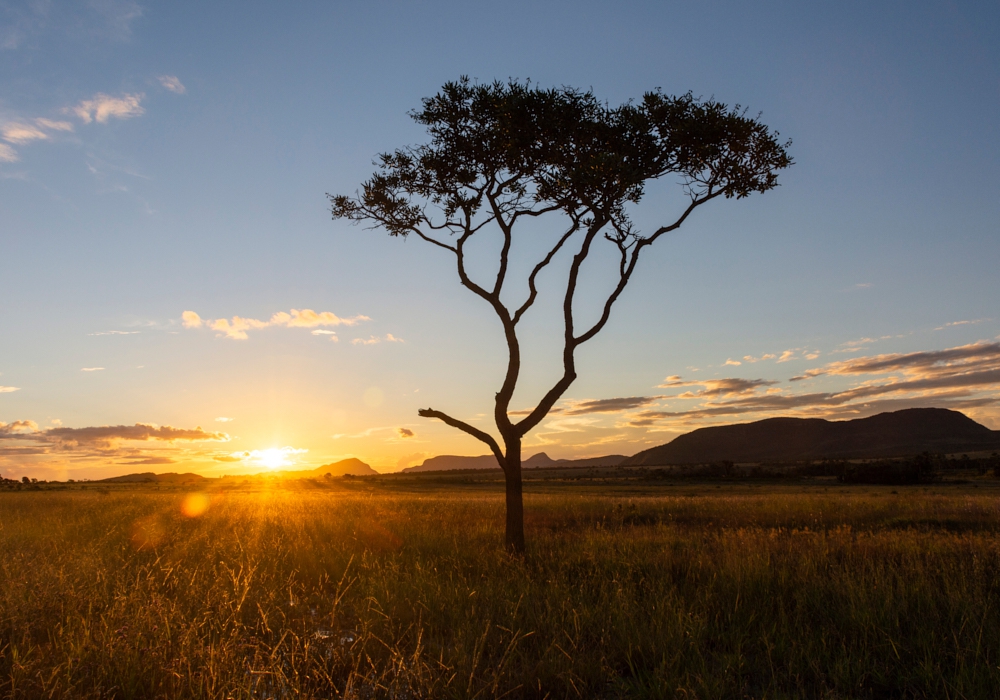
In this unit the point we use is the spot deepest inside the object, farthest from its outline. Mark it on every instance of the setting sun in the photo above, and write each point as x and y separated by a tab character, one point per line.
272	459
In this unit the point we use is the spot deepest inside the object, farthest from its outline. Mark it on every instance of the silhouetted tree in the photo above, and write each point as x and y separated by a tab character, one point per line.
503	153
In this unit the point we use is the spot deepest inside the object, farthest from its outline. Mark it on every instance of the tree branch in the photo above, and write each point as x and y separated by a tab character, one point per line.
569	341
532	290
480	435
505	251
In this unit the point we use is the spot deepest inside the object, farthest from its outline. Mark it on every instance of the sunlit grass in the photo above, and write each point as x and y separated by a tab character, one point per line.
341	593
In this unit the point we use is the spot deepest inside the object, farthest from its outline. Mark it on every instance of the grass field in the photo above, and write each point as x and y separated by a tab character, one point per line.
351	589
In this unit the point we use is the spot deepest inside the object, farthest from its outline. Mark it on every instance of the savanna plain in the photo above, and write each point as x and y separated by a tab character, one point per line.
395	588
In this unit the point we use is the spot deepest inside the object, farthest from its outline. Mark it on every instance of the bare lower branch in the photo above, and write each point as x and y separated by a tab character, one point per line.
480	435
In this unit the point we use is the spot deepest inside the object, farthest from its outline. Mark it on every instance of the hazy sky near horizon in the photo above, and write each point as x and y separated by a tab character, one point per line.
163	158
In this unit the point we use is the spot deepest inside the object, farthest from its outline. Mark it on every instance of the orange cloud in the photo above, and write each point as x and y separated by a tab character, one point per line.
237	327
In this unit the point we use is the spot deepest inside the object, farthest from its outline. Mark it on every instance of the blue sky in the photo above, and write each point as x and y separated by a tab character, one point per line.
158	158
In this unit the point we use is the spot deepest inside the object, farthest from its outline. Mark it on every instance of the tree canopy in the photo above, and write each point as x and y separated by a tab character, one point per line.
507	151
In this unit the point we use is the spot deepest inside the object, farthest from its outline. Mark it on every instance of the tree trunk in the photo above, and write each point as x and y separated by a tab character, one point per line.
514	538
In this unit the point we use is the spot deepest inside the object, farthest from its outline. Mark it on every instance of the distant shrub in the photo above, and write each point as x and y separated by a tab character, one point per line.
916	470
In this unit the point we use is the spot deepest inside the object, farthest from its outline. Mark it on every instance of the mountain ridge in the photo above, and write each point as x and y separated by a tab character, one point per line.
893	434
442	463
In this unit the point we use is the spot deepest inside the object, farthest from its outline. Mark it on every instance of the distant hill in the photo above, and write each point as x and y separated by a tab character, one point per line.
895	434
352	466
452	462
151	478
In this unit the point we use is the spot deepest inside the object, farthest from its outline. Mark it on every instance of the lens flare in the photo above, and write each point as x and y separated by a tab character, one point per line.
194	504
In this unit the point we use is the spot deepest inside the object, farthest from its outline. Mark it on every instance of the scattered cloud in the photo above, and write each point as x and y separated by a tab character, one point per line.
151	460
961	360
17	428
961	323
964	378
610	405
860	343
8	389
731	362
731	386
323	331
53	125
406	433
108	434
21	132
787	355
223	419
172	83
91	369
751	359
373	340
116	333
101	108
237	327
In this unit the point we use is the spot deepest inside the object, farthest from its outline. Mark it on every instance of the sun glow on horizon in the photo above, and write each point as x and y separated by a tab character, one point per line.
271	458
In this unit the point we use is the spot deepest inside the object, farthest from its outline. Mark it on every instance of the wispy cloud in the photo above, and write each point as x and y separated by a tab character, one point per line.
91	369
731	386
237	327
8	154
610	405
581	408
115	333
374	340
223	419
961	323
107	434
751	359
8	389
150	461
172	83
20	133
101	107
958	360
98	20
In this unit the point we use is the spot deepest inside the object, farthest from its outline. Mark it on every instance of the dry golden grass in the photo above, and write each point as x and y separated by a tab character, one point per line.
339	592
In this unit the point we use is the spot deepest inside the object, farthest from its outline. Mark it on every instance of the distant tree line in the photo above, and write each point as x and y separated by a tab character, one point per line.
918	469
